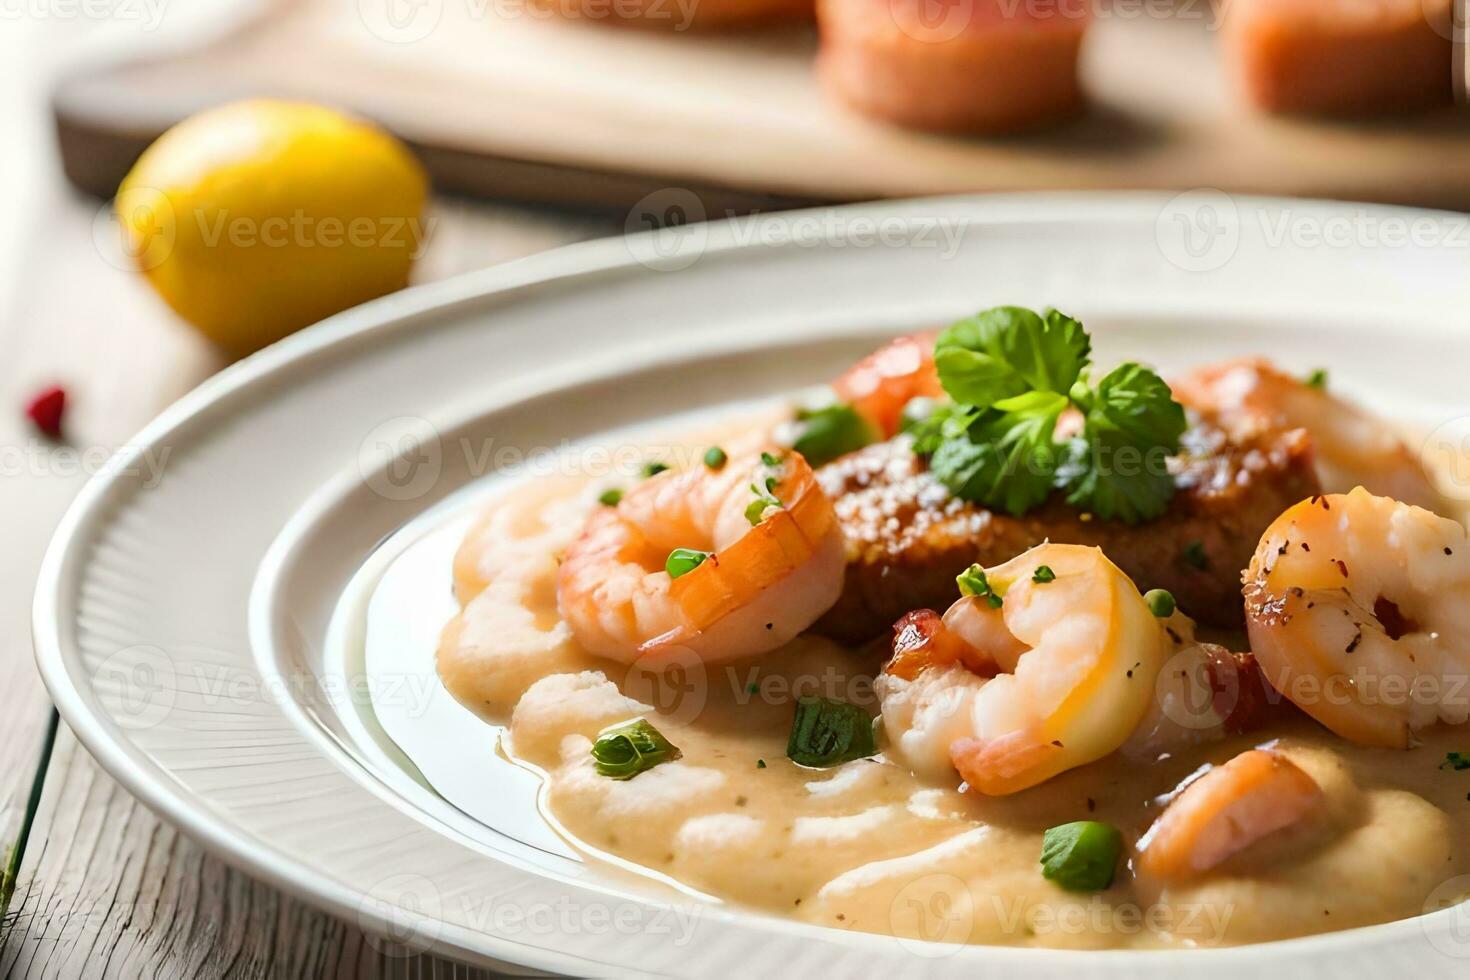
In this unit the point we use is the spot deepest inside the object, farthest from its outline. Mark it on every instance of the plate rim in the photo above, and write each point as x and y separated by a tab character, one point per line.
568	266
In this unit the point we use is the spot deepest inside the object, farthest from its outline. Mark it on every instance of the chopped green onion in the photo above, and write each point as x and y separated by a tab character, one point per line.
1317	379
765	499
1081	856
972	582
828	733
715	458
1457	761
623	751
770	459
610	498
654	469
1043	575
824	434
1194	555
682	561
1160	602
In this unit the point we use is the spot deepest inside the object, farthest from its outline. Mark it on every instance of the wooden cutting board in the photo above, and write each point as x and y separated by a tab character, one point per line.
507	104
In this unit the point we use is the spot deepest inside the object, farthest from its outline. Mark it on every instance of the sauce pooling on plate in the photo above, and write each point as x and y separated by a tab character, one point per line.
1051	755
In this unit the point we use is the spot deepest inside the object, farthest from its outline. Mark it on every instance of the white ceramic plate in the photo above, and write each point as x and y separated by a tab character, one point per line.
193	628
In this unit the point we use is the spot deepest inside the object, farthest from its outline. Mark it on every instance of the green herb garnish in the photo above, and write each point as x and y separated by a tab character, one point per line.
1194	555
755	511
1009	351
765	492
823	434
1043	575
1011	374
1458	761
654	469
1081	856
1160	602
972	582
828	733
1317	379
715	458
682	561
623	751
1117	468
610	498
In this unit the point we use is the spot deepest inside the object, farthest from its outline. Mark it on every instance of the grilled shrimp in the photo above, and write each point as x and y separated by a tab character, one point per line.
1057	677
881	384
1358	609
1224	810
1251	399
766	574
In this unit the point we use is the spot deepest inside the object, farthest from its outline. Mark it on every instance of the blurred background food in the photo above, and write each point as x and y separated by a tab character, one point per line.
256	218
730	106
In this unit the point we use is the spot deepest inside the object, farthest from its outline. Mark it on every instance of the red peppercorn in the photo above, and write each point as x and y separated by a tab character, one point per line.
46	409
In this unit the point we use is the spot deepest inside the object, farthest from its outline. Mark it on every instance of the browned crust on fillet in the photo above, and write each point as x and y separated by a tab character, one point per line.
907	538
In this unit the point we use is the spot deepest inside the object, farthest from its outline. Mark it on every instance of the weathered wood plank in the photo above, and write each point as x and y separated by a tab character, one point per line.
114	891
105	887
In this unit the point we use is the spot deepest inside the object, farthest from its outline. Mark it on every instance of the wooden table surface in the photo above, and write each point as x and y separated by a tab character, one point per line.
95	884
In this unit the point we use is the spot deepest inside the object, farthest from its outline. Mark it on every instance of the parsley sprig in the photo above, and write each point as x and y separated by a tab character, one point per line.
1011	374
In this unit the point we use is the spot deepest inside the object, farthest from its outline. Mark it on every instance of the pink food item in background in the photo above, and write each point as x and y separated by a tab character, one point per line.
46	409
965	66
1339	56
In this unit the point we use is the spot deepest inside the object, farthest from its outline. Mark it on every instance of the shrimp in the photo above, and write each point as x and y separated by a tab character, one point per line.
1224	810
1358	609
768	575
881	384
1057	677
1252	399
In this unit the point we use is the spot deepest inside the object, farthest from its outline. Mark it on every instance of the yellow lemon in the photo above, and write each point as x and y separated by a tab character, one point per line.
257	218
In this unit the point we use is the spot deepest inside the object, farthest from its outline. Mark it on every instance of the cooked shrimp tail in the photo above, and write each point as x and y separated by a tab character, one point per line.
1358	609
771	563
1056	676
1226	810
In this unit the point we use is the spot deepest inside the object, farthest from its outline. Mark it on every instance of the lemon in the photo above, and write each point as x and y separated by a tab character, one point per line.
257	218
